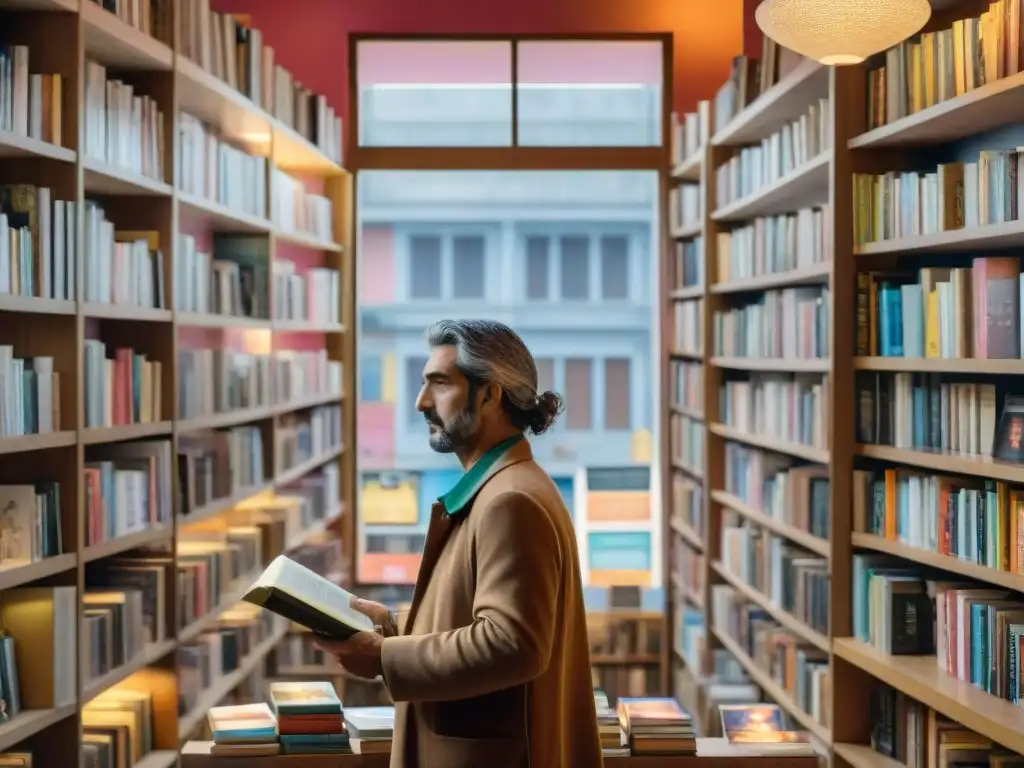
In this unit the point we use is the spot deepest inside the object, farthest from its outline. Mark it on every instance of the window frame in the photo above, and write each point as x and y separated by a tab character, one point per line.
404	234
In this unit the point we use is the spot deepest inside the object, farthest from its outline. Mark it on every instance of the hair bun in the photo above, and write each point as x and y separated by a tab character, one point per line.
543	415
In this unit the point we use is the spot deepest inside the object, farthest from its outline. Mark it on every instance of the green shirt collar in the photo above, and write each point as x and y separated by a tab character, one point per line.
469	485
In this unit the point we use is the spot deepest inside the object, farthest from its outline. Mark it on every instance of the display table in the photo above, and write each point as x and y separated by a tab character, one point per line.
196	754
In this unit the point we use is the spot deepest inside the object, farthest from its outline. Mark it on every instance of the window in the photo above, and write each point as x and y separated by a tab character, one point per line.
425	267
545	374
614	267
468	267
413	384
577	394
370	376
616	393
575	265
537	268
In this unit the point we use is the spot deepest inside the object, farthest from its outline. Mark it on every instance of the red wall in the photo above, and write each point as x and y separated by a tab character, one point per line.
310	37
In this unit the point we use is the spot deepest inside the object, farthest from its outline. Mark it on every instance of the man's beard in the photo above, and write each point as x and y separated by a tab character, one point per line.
449	438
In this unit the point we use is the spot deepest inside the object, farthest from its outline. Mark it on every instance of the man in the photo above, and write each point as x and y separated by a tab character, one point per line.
492	669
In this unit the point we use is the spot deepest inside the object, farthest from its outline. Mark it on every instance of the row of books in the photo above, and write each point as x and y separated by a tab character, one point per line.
117	727
686	384
38	243
941	312
127	489
971	519
750	77
688	264
232	280
687	571
124	389
686	441
303	437
121	267
792	323
211	168
780	487
230	48
30	102
798	668
687	332
956	195
302	374
208	568
688	503
684	206
29	394
926	412
294	209
939	64
123	129
112	630
153	18
313	295
793	409
770	245
689	134
30	518
212	381
790	577
755	167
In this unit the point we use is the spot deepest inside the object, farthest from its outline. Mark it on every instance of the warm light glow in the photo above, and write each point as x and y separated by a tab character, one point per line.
841	32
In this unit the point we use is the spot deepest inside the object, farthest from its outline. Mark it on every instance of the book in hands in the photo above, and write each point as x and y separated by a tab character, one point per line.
306	598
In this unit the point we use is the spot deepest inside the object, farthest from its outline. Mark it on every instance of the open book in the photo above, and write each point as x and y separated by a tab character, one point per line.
295	592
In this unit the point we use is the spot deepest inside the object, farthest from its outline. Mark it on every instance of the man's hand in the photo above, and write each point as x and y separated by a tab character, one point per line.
378	614
360	654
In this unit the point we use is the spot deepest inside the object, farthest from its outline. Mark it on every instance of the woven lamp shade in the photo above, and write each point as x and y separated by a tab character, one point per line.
841	31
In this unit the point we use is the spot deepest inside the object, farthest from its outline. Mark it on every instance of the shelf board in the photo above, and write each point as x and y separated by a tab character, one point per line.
148	656
940	365
36	305
219	217
762	679
938	560
116	44
300	470
687	293
227	419
786	365
120	544
305	326
808	452
103	179
15	145
991	106
803	538
689	169
39	442
688	412
306	240
161	758
690	536
938	461
686	353
687	231
217	506
212	696
125	312
48	6
30	722
802	187
815	274
694	472
121	432
920	678
315	528
777	106
863	756
210	320
1005	235
784	617
16	575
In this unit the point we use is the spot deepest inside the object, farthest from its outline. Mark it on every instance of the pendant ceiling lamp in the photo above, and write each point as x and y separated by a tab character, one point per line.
839	32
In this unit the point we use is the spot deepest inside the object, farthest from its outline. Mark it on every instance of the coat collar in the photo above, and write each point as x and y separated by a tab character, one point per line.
504	454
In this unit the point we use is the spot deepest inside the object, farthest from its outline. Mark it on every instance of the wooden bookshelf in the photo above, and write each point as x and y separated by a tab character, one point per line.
62	36
955	130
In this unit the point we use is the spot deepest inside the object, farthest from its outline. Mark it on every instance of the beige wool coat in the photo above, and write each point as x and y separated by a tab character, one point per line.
492	668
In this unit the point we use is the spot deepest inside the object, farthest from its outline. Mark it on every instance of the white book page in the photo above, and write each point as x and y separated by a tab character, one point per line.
325	596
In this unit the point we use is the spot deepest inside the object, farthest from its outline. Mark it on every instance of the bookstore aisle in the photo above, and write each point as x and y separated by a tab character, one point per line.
175	366
843	400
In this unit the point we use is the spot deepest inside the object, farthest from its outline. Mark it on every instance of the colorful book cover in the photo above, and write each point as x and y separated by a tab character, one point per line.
304	698
242	723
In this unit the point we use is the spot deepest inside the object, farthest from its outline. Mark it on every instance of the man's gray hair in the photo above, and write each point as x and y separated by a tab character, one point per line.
489	351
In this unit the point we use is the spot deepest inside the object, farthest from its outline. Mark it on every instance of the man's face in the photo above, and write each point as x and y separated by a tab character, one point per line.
446	402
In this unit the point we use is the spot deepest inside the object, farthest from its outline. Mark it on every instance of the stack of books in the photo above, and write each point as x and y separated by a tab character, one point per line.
613	742
243	730
371	729
309	718
656	726
760	729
